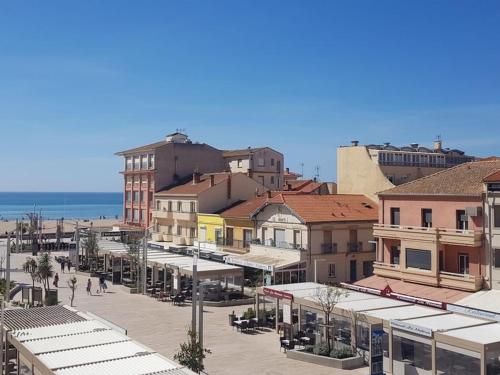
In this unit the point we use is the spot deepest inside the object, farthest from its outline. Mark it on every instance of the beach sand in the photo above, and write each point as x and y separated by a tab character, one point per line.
49	226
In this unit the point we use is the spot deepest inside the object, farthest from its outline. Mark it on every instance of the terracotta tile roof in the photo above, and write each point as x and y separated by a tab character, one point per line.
150	147
414	290
303	186
242	152
189	188
464	179
309	188
291	174
494	177
329	208
247	208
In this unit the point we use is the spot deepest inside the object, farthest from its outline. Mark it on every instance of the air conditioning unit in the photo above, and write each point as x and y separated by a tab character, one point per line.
474	211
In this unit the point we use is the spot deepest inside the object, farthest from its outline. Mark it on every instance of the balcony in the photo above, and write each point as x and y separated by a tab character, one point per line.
354	247
162	214
281	245
329	248
387	270
460	281
185	216
443	235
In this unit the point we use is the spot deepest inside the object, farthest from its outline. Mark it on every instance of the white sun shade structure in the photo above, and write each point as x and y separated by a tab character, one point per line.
77	347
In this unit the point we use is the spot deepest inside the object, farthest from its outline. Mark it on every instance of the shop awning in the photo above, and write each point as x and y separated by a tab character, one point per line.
262	262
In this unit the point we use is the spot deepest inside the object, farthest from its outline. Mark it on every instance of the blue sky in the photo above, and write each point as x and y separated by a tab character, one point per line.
82	80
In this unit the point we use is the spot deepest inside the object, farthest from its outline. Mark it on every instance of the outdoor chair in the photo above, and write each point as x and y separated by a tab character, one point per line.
251	324
243	326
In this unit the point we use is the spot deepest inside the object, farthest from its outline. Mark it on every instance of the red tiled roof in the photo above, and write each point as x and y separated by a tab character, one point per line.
329	208
191	188
304	186
494	177
414	290
247	208
462	180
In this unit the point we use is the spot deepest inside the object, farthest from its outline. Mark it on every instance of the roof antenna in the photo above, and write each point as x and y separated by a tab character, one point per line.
302	170
316	175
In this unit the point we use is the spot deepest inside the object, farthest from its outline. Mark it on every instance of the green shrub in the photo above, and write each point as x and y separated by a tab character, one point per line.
321	349
341	353
249	314
309	349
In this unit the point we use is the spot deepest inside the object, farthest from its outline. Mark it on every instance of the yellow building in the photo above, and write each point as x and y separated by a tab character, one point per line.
210	228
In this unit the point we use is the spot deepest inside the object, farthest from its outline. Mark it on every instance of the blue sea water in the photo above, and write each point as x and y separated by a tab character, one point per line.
61	205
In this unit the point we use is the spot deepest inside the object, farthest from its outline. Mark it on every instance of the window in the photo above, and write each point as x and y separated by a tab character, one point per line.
272	180
415	353
169	229
193	206
395	216
426	218
158	204
179	206
144	180
169	206
144	159
136	197
128	196
497	258
496	213
128	164
367	268
331	270
463	264
137	162
192	232
420	259
261	179
179	230
261	162
127	214
447	362
395	254
240	163
272	162
136	215
296	239
144	215
462	220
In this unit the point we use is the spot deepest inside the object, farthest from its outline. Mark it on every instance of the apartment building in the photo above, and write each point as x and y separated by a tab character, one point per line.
176	209
492	227
431	230
263	164
369	169
301	237
151	168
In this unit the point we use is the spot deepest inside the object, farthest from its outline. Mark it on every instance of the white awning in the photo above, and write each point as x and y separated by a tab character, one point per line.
261	262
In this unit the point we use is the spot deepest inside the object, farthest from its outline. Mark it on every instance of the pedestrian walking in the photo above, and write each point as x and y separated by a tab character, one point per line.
62	265
69	265
102	284
56	280
89	287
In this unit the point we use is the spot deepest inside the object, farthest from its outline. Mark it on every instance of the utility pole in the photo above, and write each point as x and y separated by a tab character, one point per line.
7	272
200	317
77	240
145	261
2	322
195	287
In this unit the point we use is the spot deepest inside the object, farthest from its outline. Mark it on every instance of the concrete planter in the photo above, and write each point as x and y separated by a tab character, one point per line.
345	364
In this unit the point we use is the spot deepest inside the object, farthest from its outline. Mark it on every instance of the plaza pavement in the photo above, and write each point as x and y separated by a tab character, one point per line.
162	326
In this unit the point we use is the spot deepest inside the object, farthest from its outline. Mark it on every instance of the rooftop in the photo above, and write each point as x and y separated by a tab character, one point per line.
446	322
328	208
493	177
242	152
462	180
192	188
485	334
405	312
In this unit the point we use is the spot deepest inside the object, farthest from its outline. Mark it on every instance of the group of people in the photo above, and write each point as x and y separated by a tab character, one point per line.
64	263
102	285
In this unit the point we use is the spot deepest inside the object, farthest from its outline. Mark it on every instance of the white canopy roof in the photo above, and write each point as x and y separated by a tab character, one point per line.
446	322
405	312
485	334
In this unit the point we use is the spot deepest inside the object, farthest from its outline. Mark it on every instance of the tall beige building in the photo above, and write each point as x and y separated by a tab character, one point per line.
369	169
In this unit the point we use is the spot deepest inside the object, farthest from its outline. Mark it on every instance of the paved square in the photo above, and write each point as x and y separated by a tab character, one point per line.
162	326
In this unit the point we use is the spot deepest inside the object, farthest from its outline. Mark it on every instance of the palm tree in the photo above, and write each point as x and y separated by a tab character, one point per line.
91	246
31	267
45	272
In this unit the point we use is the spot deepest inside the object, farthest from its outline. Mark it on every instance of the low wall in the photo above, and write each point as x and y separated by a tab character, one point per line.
345	364
233	302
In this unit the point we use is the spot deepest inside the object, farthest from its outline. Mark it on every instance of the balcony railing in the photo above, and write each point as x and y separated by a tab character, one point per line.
329	248
232	243
354	247
278	244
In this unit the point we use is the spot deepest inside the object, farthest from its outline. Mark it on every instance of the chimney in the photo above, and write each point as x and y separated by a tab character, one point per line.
212	180
269	194
354	143
438	145
196	178
287	170
250	172
229	186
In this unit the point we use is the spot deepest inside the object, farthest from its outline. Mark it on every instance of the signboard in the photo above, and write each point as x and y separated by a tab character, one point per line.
412	328
376	352
245	263
418	301
287	314
361	289
278	294
477	313
155	246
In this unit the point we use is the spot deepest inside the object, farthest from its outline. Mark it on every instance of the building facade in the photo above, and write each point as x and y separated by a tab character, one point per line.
431	230
373	168
151	168
263	164
176	209
492	228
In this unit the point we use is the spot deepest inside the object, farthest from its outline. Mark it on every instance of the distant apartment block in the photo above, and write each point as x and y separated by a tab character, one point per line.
263	164
148	169
373	168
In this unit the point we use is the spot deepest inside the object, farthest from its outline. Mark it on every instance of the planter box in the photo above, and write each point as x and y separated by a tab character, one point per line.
345	364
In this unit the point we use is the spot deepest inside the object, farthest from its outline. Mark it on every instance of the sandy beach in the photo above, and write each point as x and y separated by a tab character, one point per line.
49	226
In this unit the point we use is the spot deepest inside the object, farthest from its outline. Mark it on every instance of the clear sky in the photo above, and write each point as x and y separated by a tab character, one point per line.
80	80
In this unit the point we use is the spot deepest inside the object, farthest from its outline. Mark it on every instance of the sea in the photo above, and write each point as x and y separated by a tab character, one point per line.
61	205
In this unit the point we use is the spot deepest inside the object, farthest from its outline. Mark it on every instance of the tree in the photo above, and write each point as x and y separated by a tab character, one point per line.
327	298
192	354
90	246
45	272
133	251
31	267
72	285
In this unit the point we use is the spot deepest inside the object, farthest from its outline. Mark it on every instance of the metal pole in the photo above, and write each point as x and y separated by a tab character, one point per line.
77	240
2	321
18	230
145	261
7	270
195	287
200	318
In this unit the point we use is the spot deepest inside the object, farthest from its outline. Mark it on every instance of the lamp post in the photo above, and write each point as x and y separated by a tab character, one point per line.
7	271
195	287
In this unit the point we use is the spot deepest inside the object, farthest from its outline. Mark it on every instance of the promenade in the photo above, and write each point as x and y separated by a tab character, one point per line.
163	326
